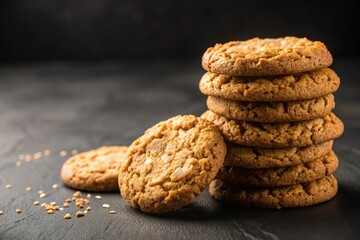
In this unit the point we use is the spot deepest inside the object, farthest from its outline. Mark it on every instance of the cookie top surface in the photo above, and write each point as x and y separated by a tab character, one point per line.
171	164
302	86
94	170
278	135
282	176
272	112
299	195
256	157
267	56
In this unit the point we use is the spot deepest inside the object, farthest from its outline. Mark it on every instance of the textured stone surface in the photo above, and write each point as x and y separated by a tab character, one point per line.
62	106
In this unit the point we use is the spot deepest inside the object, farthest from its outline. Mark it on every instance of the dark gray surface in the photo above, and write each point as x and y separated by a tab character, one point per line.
62	106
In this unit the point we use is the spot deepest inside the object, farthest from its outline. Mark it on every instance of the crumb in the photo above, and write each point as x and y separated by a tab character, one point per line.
98	197
67	216
63	153
36	203
112	212
105	205
28	189
74	151
18	211
55	185
47	152
79	214
8	186
18	164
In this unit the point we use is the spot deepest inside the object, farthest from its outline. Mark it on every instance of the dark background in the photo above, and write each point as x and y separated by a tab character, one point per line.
147	30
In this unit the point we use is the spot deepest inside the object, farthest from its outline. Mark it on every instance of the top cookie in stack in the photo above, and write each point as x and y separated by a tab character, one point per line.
272	100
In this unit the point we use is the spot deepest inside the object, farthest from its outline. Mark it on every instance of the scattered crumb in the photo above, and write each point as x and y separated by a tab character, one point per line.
68	200
105	205
22	156
28	157
36	203
112	212
67	216
63	153
57	208
53	203
42	195
77	194
98	197
49	207
85	212
40	192
18	164
28	189
47	152
1	213
79	214
74	151
50	211
43	204
8	186
55	185
37	156
61	209
88	208
18	211
66	205
89	195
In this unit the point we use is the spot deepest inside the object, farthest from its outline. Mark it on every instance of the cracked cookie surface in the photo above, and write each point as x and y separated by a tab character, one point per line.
307	85
171	164
282	176
267	56
94	170
278	135
299	195
272	111
256	157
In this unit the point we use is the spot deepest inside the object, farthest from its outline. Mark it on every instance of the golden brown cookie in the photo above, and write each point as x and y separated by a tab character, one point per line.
171	164
297	87
256	157
272	111
278	135
282	176
300	195
268	56
94	170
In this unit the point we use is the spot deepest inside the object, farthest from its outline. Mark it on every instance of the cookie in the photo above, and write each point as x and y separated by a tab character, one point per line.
171	164
278	135
302	86
255	157
268	56
299	195
272	111
95	170
282	176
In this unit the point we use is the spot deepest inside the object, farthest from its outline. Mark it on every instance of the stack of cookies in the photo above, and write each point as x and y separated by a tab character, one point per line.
272	101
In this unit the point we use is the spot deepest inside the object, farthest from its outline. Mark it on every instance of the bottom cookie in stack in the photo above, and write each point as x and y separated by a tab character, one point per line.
300	195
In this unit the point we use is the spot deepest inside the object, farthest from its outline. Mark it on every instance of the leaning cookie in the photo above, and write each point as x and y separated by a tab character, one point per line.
278	135
256	157
282	176
267	56
307	85
171	164
300	195
272	112
95	170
